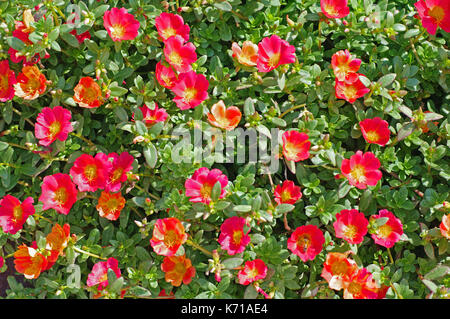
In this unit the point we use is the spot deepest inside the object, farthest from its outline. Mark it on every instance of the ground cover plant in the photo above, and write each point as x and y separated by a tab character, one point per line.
225	149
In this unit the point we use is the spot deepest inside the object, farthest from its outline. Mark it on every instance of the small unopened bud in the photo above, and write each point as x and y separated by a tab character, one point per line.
138	139
290	22
345	22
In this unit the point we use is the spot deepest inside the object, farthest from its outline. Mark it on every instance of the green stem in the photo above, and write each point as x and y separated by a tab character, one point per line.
390	256
197	246
292	109
87	253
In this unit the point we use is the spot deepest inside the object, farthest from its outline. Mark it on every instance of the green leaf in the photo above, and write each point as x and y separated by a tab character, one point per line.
411	33
438	272
215	192
150	154
387	79
242	208
224	6
117	91
284	208
231	263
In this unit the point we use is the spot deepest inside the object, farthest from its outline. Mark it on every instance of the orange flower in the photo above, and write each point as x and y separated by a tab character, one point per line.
88	93
296	146
57	241
338	269
224	117
361	285
110	205
178	269
29	262
168	236
30	83
247	55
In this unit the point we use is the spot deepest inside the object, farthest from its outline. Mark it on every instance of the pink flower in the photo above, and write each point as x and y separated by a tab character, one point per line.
306	242
90	173
151	117
232	237
375	131
13	213
200	185
350	91
362	170
51	124
252	271
121	165
273	52
7	81
120	24
287	193
334	8
389	233
169	25
179	55
351	225
168	236
191	89
99	273
165	76
434	14
58	192
345	67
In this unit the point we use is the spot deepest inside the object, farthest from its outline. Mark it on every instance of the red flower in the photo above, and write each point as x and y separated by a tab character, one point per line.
350	91
91	173
121	165
29	262
13	213
296	146
334	8
178	54
30	83
248	55
110	205
232	237
389	233
154	116
190	90
344	66
338	269
7	81
168	236
375	131
87	93
224	117
287	193
99	273
200	185
273	52
361	285
306	242
434	14
351	225
170	25
445	226
361	169
56	242
165	75
51	124
58	192
120	24
252	271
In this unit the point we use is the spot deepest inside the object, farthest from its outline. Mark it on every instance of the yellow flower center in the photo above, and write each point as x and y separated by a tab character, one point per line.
90	94
166	79
384	231
169	32
112	204
274	60
372	136
117	174
54	128
285	196
117	31
350	231
90	172
331	10
205	191
237	237
358	173
304	242
437	13
354	288
339	268
61	195
175	58
4	83
17	213
189	94
252	273
179	268
350	91
170	238
291	150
